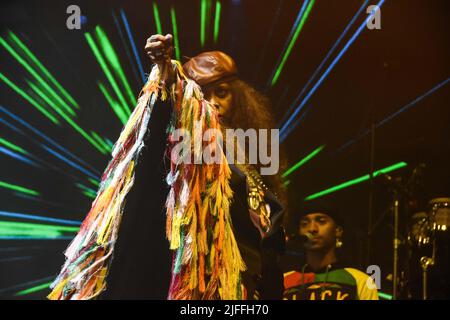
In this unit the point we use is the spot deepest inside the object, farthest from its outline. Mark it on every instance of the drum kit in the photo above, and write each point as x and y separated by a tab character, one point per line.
421	242
428	242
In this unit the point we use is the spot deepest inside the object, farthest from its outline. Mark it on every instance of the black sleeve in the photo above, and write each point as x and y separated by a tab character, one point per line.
141	265
272	246
260	255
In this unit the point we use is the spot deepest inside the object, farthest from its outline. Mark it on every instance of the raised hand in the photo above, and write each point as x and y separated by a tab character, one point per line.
159	48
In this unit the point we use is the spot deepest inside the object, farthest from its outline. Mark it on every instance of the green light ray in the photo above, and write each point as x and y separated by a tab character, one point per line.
27	97
385	296
113	59
175	33
202	22
68	119
302	162
43	69
34	289
41	102
108	145
113	104
18	188
355	181
95	183
217	21
37	77
107	72
12	146
13	232
109	142
105	146
32	227
292	42
89	194
208	19
44	91
83	187
157	19
45	98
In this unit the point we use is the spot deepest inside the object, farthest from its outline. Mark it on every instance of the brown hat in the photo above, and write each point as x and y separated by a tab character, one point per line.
210	67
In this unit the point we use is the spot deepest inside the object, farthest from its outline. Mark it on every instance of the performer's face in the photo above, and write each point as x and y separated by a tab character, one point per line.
323	229
221	97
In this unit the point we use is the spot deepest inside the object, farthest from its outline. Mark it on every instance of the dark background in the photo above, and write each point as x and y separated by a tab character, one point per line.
382	71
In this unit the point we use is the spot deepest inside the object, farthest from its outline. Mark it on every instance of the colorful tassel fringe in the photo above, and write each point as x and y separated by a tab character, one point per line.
206	261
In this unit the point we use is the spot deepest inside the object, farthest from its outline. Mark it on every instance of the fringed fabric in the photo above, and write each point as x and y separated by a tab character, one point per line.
207	263
206	260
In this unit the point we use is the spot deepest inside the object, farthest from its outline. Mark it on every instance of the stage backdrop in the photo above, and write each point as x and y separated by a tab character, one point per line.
348	95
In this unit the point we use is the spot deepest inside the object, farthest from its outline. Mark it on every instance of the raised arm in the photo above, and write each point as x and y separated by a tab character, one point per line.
159	49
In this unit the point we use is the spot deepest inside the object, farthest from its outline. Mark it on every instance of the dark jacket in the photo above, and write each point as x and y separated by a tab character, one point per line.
263	278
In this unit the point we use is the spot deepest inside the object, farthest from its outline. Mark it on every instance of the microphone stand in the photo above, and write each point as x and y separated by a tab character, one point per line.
370	228
425	263
397	189
395	243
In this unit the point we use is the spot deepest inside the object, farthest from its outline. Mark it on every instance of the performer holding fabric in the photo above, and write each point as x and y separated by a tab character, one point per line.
222	222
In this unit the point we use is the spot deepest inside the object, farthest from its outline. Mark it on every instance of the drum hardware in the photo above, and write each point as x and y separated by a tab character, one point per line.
419	235
395	244
425	263
428	229
400	190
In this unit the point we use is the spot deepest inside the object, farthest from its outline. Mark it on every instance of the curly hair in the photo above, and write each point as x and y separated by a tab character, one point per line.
251	109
